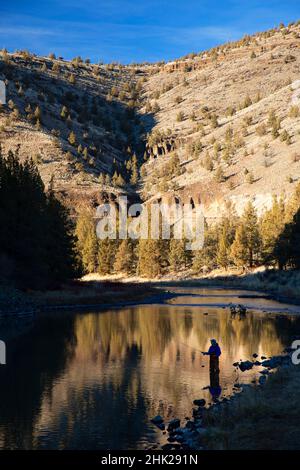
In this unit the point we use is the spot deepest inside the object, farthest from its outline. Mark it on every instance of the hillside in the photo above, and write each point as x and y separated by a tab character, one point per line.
214	110
221	126
75	119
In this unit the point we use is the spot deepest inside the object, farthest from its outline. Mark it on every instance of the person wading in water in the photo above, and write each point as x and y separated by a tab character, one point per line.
214	353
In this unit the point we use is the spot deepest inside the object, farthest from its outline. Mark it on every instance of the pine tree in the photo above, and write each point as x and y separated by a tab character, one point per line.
250	222
149	258
87	243
206	257
271	226
287	247
246	244
177	254
293	205
106	256
60	242
124	261
223	250
35	237
239	254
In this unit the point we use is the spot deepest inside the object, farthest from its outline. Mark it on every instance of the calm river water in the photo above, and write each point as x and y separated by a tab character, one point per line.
94	380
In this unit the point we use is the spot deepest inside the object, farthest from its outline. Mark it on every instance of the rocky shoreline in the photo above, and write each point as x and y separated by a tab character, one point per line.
191	436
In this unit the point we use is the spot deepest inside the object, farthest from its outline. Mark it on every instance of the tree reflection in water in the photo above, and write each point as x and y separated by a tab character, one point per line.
94	380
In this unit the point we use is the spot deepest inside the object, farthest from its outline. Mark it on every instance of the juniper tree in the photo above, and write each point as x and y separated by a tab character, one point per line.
72	79
64	112
85	153
208	162
180	116
219	175
72	138
55	67
37	113
134	171
101	179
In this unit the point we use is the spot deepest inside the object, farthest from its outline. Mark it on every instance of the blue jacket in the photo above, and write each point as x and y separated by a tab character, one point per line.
214	350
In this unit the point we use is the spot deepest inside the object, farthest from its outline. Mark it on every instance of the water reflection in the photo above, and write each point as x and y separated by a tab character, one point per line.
95	380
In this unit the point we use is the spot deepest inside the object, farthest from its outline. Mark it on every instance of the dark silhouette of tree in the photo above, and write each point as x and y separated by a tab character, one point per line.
287	247
36	241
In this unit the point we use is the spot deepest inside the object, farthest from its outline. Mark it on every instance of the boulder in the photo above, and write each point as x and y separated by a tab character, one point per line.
174	424
275	361
245	365
200	402
159	422
264	372
190	425
262	380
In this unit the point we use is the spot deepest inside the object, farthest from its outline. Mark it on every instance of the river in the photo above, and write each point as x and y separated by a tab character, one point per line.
95	380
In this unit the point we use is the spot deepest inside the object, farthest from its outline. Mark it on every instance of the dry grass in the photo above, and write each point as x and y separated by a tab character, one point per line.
279	283
93	293
75	294
259	418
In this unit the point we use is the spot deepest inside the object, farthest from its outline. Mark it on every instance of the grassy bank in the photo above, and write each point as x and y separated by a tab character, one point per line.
259	418
75	294
283	285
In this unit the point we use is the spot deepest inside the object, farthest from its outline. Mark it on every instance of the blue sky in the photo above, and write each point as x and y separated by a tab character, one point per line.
134	30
